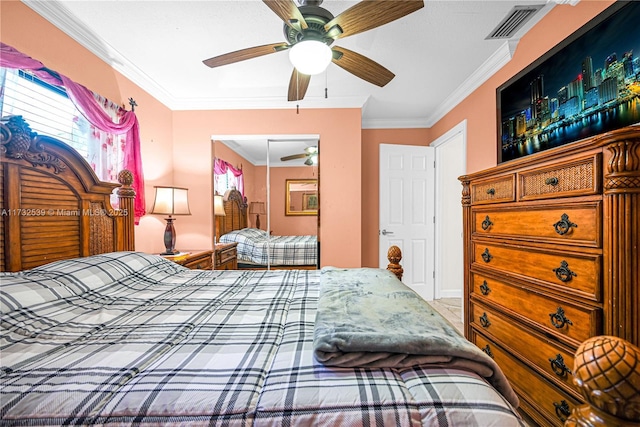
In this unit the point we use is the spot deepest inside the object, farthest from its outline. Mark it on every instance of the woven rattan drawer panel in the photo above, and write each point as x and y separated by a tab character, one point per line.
540	311
539	351
577	224
573	273
538	392
575	178
494	190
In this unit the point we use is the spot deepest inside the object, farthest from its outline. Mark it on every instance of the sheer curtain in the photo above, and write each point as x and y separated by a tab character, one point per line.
92	110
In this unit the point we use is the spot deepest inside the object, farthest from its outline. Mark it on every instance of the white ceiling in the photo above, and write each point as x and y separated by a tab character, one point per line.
439	54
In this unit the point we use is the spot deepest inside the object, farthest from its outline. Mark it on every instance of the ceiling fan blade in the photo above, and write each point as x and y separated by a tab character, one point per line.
369	14
244	54
361	66
288	12
293	157
298	85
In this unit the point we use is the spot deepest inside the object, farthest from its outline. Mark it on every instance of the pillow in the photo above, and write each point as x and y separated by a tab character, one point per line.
96	271
27	288
243	236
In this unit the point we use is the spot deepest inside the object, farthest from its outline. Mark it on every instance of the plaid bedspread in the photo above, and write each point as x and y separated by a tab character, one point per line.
255	246
128	338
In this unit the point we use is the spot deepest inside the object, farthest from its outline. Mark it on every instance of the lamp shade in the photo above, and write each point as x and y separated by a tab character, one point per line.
171	201
257	208
218	205
310	56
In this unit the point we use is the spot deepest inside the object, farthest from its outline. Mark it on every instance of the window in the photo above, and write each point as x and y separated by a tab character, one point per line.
49	111
227	177
46	108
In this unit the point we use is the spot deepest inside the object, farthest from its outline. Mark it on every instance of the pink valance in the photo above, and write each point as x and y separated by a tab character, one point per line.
93	112
221	167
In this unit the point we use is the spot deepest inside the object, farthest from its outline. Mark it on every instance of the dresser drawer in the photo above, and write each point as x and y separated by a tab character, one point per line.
502	189
199	262
226	255
549	357
577	224
538	310
575	273
575	178
549	401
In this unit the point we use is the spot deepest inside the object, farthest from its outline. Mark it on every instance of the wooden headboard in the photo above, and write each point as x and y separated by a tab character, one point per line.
235	209
52	205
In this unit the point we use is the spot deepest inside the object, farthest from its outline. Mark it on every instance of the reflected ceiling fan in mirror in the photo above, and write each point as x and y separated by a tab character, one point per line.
311	153
310	30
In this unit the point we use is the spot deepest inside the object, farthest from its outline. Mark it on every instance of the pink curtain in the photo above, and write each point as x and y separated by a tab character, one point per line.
220	167
85	102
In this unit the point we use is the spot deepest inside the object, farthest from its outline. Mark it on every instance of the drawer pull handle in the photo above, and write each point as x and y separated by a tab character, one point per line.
551	181
484	288
486	223
484	320
563	273
487	350
558	366
564	225
491	191
486	256
562	410
558	319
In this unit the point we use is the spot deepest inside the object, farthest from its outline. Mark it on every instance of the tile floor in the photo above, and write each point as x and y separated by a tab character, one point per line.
451	309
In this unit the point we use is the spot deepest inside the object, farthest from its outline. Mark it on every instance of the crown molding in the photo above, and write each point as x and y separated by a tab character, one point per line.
495	62
279	103
54	12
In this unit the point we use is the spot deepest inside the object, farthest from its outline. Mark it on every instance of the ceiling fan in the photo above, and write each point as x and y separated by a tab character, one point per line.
318	28
311	153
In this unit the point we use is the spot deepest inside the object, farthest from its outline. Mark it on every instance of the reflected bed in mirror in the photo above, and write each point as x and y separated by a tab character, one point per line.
301	197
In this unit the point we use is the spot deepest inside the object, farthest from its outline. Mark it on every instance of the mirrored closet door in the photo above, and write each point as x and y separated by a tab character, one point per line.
271	214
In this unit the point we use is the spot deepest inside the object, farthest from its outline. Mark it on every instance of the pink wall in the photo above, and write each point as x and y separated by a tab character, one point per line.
479	108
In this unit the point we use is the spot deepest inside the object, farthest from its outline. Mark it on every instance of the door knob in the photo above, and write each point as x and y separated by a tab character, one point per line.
385	232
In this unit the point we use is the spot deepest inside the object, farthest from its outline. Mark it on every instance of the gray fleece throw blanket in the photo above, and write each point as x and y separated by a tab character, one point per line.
367	318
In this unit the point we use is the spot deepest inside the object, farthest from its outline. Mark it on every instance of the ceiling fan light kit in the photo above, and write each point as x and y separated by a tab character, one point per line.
310	30
310	57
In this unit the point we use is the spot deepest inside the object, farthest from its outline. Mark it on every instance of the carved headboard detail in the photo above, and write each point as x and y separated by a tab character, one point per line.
52	205
235	209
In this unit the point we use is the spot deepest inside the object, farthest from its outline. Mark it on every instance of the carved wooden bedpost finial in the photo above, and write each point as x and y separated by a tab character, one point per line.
126	196
394	255
607	372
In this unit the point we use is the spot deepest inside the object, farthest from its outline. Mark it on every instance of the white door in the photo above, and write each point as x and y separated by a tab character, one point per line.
406	212
450	164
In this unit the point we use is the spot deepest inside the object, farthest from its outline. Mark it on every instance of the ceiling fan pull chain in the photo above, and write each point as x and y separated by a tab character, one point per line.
297	108
326	84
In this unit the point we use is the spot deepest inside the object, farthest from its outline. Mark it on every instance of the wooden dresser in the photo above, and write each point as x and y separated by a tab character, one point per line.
552	258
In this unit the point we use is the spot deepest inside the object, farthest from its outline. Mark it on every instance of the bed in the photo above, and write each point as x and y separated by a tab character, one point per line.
256	249
105	335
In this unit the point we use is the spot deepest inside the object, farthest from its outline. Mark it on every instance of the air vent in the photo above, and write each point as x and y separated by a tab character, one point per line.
514	20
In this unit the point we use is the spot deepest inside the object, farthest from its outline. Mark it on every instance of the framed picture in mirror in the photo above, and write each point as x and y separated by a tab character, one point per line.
301	197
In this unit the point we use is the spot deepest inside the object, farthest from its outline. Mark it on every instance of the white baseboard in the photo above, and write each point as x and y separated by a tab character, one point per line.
450	293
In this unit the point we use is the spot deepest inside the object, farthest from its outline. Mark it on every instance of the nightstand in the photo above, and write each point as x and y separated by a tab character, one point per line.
226	256
195	260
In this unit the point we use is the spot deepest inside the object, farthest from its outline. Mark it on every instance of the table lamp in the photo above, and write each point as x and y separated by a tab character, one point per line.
258	209
170	201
